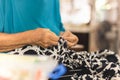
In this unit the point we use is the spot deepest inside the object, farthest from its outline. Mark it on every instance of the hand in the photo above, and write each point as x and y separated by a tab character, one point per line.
71	38
44	37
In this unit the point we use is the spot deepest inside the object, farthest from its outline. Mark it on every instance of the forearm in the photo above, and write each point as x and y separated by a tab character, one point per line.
6	49
12	41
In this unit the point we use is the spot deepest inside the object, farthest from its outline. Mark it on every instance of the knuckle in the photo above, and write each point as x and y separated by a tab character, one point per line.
45	42
46	45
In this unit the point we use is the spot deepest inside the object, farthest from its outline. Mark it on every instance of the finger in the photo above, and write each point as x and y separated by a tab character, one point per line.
70	44
53	43
66	34
47	43
54	38
70	39
42	44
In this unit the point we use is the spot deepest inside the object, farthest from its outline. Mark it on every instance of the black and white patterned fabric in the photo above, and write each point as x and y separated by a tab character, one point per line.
99	65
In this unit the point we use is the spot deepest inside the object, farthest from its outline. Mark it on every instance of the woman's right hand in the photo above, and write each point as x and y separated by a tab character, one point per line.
43	37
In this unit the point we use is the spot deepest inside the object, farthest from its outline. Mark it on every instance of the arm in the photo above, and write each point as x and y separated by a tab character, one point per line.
12	41
40	37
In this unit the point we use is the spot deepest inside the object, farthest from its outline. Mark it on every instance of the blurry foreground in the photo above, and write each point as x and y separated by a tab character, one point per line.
14	67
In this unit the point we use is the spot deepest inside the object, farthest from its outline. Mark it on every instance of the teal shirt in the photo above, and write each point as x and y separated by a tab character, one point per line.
22	15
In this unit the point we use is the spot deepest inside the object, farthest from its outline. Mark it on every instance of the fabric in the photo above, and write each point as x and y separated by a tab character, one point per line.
99	65
21	15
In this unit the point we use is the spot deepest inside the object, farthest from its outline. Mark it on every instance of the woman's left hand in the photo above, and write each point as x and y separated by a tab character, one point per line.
71	38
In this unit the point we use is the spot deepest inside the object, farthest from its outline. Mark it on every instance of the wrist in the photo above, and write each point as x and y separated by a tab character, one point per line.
22	38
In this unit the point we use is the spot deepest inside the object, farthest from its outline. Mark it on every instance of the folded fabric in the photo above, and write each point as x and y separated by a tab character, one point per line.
99	65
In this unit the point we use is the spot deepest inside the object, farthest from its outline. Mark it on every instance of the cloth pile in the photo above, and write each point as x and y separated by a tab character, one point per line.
99	65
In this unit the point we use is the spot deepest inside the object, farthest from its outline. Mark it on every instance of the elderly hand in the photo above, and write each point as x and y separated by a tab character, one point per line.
44	37
71	38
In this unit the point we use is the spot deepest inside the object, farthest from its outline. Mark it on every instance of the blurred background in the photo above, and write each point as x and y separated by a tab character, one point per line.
95	22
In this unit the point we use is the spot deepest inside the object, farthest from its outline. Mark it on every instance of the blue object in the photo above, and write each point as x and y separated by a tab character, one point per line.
58	72
22	15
